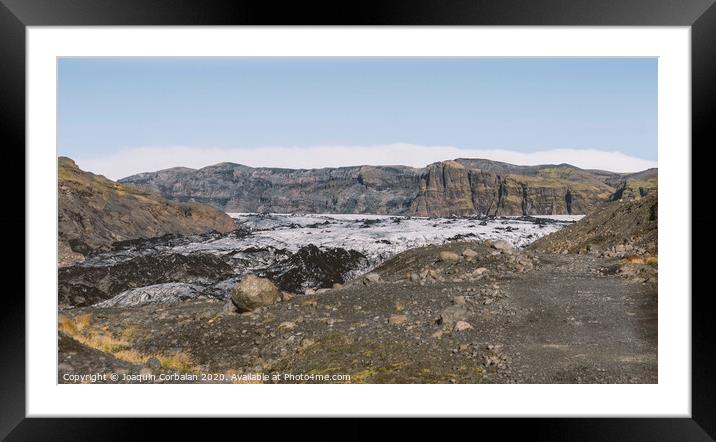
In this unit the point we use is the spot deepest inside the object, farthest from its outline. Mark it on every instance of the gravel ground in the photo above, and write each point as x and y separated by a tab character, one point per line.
457	313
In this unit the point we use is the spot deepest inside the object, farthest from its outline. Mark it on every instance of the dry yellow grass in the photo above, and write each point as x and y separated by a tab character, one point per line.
132	356
78	328
179	361
129	333
650	260
74	325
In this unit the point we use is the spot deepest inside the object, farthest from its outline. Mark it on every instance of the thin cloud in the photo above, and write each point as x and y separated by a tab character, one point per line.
146	159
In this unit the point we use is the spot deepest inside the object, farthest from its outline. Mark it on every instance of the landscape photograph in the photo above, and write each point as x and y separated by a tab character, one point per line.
359	220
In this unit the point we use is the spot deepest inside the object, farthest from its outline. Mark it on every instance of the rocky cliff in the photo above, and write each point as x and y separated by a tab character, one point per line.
94	212
455	187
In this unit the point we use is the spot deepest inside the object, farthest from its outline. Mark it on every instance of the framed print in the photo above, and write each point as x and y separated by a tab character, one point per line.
347	216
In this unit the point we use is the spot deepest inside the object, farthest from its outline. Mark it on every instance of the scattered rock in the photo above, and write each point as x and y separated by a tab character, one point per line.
154	363
305	344
252	292
447	256
430	275
502	246
469	253
229	308
453	314
286	326
462	326
311	302
458	300
286	296
79	300
371	278
205	315
397	319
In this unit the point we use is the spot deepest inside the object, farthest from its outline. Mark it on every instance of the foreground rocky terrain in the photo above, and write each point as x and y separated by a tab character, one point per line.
461	312
94	212
464	187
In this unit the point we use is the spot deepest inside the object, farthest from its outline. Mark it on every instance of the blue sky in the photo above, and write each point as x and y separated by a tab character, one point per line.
128	108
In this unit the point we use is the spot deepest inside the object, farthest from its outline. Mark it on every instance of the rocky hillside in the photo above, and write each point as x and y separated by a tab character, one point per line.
619	228
94	212
455	187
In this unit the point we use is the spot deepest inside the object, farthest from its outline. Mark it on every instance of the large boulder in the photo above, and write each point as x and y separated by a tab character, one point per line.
252	292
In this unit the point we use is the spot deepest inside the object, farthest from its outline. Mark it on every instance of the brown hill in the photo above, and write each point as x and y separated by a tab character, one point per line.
94	212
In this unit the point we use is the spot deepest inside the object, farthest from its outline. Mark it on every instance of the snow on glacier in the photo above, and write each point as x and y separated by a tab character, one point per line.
376	236
260	237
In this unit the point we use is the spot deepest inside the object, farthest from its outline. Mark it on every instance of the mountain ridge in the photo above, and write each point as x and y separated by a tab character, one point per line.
462	186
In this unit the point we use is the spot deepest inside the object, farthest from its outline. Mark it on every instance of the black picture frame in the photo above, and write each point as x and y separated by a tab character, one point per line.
700	15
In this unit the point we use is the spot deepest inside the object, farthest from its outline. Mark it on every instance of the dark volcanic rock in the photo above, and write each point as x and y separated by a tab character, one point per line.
82	285
455	187
311	267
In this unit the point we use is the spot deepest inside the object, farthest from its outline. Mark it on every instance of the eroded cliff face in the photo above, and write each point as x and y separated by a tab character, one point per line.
94	212
442	188
449	188
454	187
236	188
